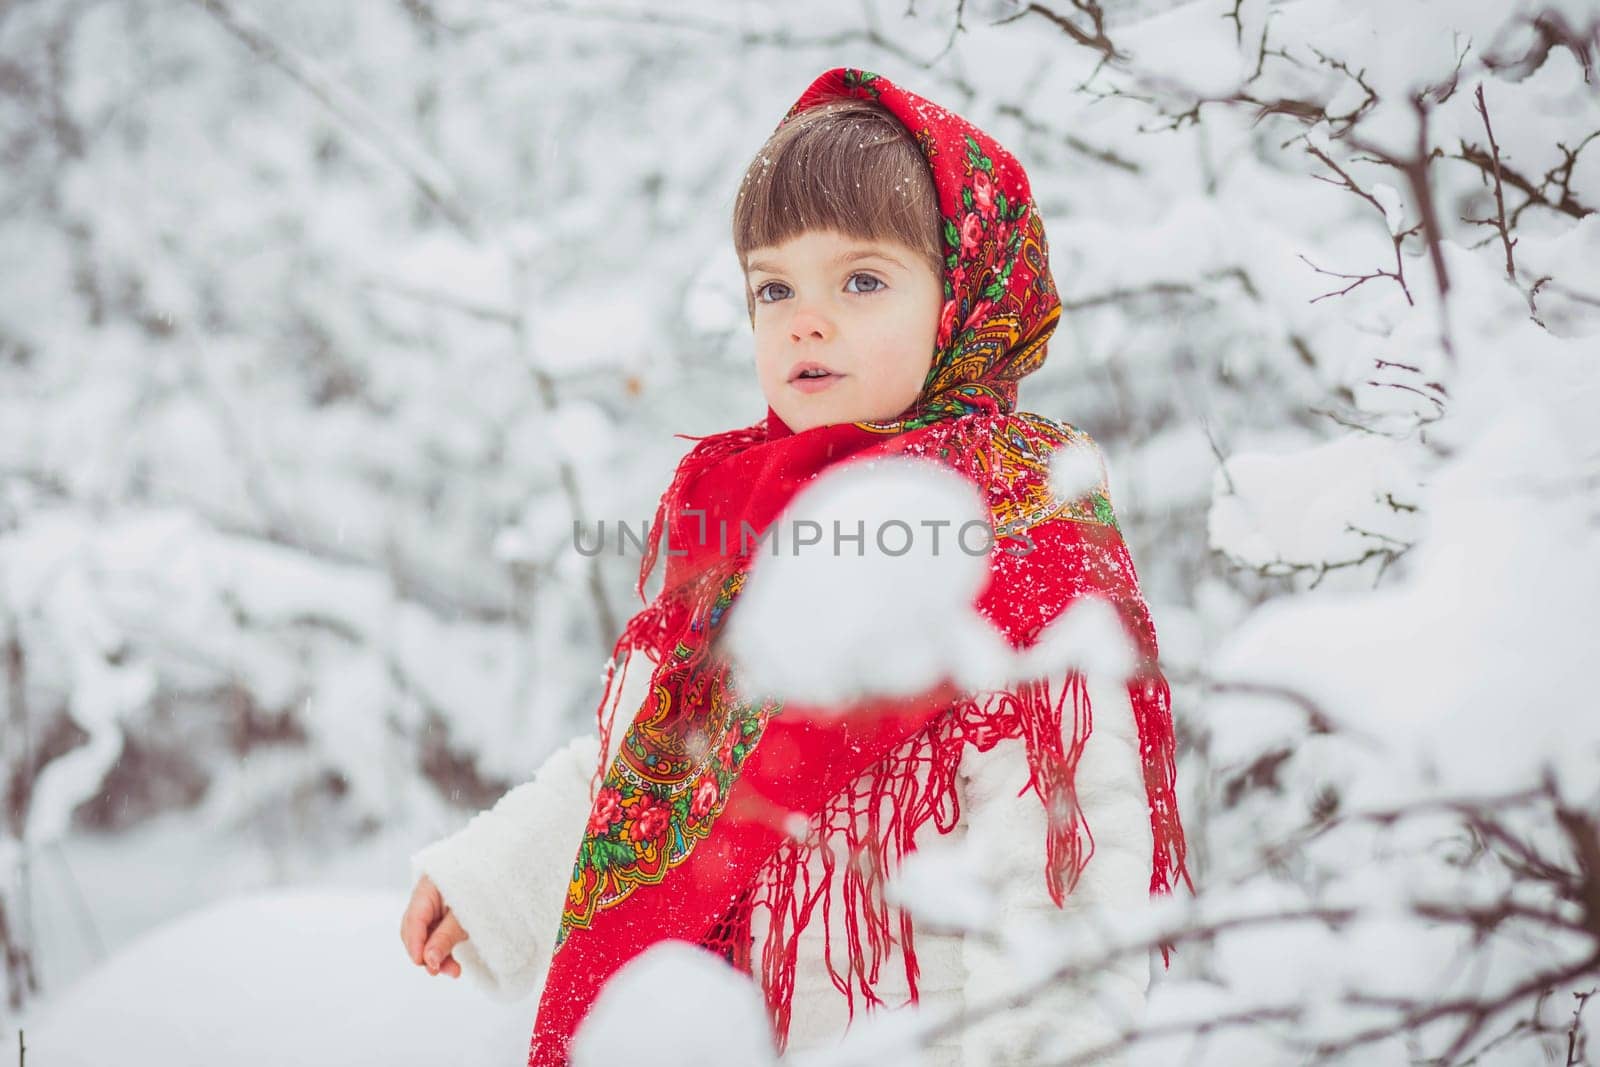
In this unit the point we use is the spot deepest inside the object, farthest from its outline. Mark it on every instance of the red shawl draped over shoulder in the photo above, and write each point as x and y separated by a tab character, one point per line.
691	827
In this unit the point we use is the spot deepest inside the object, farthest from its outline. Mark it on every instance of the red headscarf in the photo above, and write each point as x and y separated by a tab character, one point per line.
686	835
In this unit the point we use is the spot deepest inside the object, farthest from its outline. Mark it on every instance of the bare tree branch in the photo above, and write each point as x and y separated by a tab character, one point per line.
1499	221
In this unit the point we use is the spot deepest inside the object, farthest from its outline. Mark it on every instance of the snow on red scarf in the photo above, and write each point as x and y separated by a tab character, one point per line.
690	827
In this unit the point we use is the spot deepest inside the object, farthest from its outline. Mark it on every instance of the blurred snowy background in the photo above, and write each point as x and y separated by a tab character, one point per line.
320	324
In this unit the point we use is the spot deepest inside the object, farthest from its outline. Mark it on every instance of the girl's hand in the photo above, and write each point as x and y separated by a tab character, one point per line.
429	930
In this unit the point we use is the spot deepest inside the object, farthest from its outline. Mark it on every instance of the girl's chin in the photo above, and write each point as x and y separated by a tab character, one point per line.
800	425
802	417
801	413
809	416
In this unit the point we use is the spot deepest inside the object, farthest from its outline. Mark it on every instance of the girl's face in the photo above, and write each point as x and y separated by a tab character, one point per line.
865	312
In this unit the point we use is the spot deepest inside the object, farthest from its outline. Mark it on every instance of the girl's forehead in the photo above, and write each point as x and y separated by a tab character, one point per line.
828	246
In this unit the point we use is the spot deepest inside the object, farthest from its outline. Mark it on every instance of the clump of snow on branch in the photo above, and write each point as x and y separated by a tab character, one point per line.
900	602
905	594
680	1006
942	884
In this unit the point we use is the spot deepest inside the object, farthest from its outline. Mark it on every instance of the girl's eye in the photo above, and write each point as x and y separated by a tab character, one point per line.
770	292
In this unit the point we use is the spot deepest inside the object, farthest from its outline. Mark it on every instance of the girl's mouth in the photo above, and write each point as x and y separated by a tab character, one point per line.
815	383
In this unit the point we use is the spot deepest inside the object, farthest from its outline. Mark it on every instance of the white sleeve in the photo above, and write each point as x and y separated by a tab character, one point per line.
505	874
1064	1020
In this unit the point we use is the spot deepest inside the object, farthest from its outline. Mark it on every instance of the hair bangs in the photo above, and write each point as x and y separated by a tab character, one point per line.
850	167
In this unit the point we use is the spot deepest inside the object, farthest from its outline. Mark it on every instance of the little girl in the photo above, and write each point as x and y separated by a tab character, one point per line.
898	286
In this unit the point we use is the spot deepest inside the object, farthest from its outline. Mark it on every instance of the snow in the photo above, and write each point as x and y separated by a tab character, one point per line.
287	976
102	695
1089	636
1326	502
659	1002
1466	697
1189	38
907	588
1393	209
942	884
879	1036
1075	471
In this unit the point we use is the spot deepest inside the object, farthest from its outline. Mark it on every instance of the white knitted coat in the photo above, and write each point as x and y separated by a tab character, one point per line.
505	876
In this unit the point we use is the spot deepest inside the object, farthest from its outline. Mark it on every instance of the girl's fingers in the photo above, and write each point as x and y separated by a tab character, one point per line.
414	933
417	920
445	937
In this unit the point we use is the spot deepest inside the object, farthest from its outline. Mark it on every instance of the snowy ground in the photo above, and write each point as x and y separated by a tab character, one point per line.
309	974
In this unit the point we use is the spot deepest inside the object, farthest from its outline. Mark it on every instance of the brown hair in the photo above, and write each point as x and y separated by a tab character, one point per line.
849	166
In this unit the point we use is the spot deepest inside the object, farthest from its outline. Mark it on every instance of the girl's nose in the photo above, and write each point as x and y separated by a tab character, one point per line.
807	322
